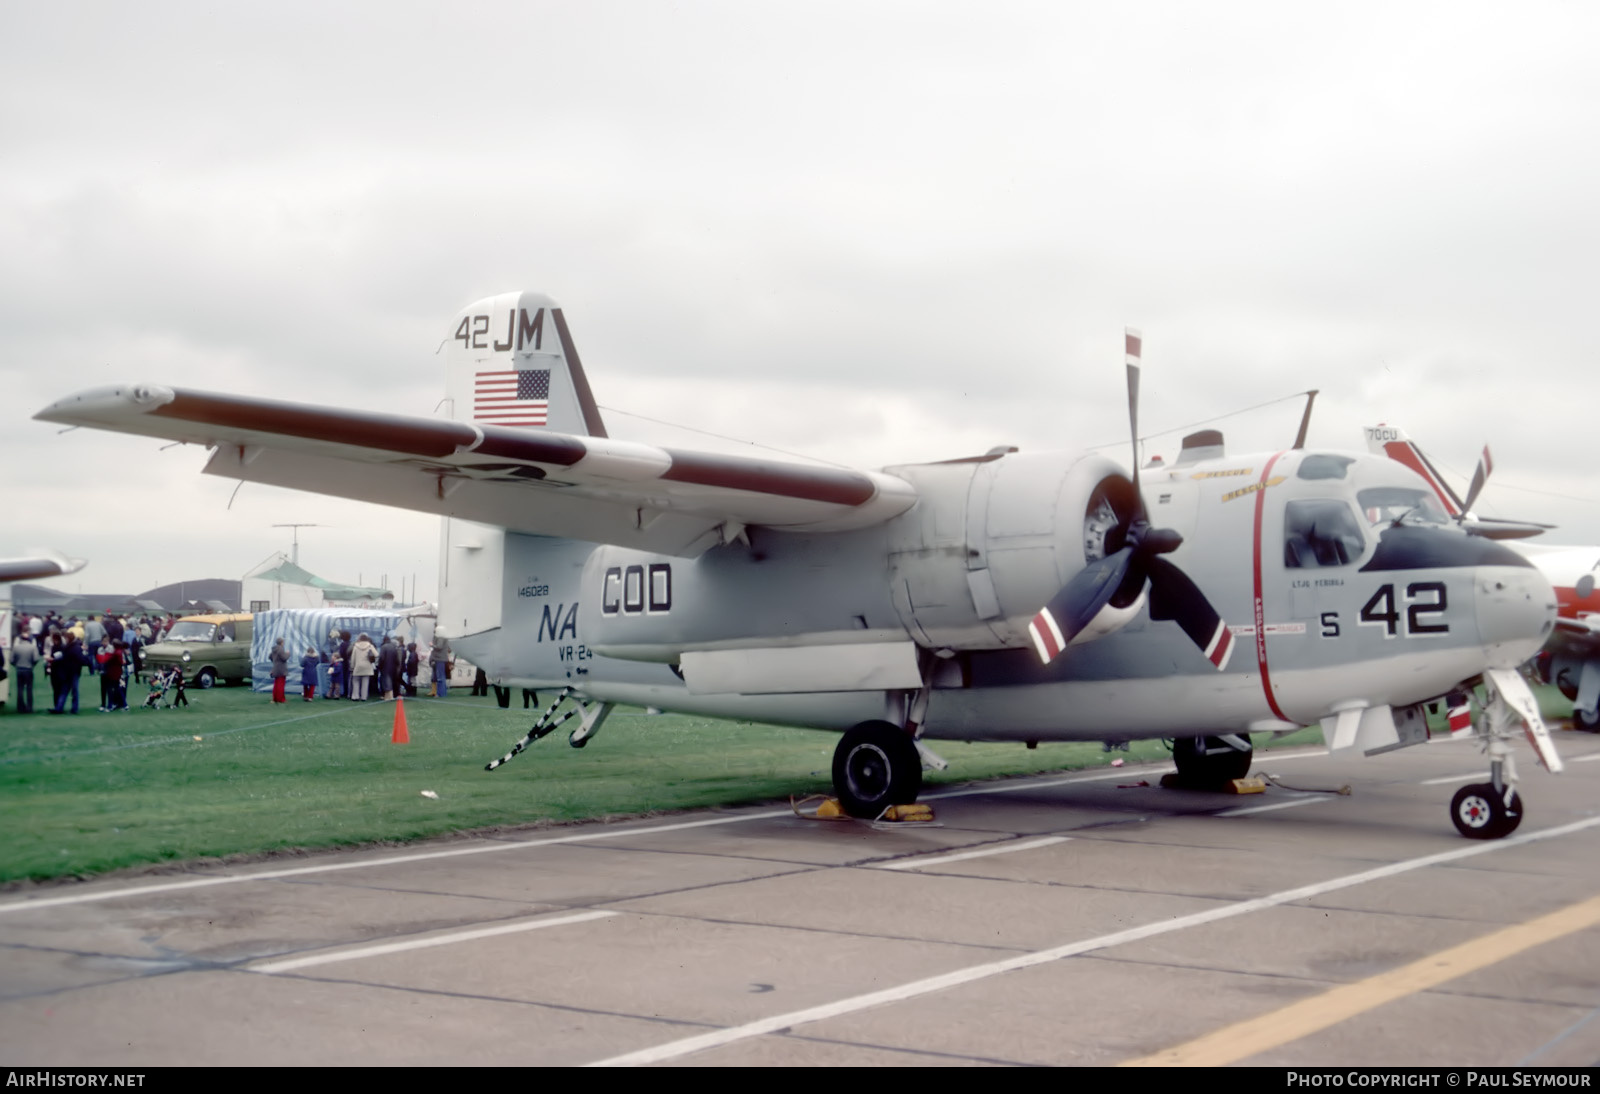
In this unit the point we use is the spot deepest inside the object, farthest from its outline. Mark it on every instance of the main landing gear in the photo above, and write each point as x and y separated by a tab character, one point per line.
875	766
1206	763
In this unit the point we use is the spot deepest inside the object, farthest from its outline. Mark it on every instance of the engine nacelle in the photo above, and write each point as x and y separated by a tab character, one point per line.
990	541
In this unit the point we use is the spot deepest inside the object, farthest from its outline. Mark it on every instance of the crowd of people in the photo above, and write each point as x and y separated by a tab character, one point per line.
112	648
108	645
348	668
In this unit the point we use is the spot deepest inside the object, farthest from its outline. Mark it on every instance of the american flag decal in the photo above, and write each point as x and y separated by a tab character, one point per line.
511	396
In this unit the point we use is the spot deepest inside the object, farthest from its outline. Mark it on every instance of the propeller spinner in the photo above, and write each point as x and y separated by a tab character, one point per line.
1122	574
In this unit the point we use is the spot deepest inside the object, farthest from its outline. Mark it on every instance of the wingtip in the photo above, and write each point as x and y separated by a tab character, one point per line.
97	403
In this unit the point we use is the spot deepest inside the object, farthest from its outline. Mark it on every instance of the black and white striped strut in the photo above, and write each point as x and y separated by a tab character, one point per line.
542	727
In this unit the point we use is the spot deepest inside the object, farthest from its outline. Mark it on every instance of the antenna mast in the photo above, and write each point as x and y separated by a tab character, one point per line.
294	557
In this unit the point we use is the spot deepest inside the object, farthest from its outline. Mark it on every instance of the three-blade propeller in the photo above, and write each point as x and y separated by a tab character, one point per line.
1172	594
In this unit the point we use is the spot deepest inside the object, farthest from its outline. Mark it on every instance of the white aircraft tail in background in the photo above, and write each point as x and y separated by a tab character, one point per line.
1391	441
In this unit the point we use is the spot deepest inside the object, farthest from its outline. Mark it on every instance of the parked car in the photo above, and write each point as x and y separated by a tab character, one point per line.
210	648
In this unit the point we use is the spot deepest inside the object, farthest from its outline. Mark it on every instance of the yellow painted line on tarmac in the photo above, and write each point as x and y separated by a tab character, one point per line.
1245	1039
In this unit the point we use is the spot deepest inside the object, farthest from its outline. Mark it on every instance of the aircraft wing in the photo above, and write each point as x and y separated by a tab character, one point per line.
43	564
528	480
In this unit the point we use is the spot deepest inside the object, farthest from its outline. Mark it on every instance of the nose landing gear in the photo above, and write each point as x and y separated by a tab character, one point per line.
1493	809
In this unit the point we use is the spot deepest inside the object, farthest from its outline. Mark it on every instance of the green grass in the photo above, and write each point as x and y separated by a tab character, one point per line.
96	792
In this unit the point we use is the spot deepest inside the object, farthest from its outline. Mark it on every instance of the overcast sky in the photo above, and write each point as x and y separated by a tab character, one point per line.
867	232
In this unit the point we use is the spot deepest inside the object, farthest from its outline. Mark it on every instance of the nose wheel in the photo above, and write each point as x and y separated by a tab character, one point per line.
1494	809
1482	812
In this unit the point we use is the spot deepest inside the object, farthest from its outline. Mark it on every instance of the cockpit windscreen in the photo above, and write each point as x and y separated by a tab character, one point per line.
1400	505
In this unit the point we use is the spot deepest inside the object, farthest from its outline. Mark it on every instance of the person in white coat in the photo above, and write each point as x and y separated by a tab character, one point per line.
363	663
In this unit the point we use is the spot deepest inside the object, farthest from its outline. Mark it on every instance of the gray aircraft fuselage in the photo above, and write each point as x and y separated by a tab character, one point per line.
1341	585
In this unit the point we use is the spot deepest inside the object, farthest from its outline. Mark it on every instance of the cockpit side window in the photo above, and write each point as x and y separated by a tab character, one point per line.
1320	533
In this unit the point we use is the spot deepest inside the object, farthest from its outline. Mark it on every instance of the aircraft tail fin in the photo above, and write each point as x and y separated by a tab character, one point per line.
510	360
1391	441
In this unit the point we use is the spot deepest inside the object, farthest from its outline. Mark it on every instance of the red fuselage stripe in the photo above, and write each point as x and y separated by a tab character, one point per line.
1259	608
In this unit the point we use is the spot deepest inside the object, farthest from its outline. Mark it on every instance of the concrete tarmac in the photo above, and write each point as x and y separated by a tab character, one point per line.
1069	919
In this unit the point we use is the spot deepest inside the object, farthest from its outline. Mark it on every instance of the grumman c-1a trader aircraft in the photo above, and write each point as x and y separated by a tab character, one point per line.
1018	596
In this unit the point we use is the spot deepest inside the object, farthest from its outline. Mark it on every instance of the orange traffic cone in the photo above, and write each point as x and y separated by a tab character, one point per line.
401	735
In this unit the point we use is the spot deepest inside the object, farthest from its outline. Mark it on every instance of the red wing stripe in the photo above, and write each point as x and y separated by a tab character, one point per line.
837	486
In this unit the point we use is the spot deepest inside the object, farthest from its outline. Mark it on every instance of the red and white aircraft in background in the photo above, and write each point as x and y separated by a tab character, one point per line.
1571	658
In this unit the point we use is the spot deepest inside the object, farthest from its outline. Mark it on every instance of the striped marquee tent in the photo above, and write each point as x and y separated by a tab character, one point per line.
302	627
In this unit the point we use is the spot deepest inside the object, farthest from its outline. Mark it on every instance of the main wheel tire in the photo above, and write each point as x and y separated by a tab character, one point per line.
205	678
1566	682
875	766
1589	723
1210	761
1479	812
